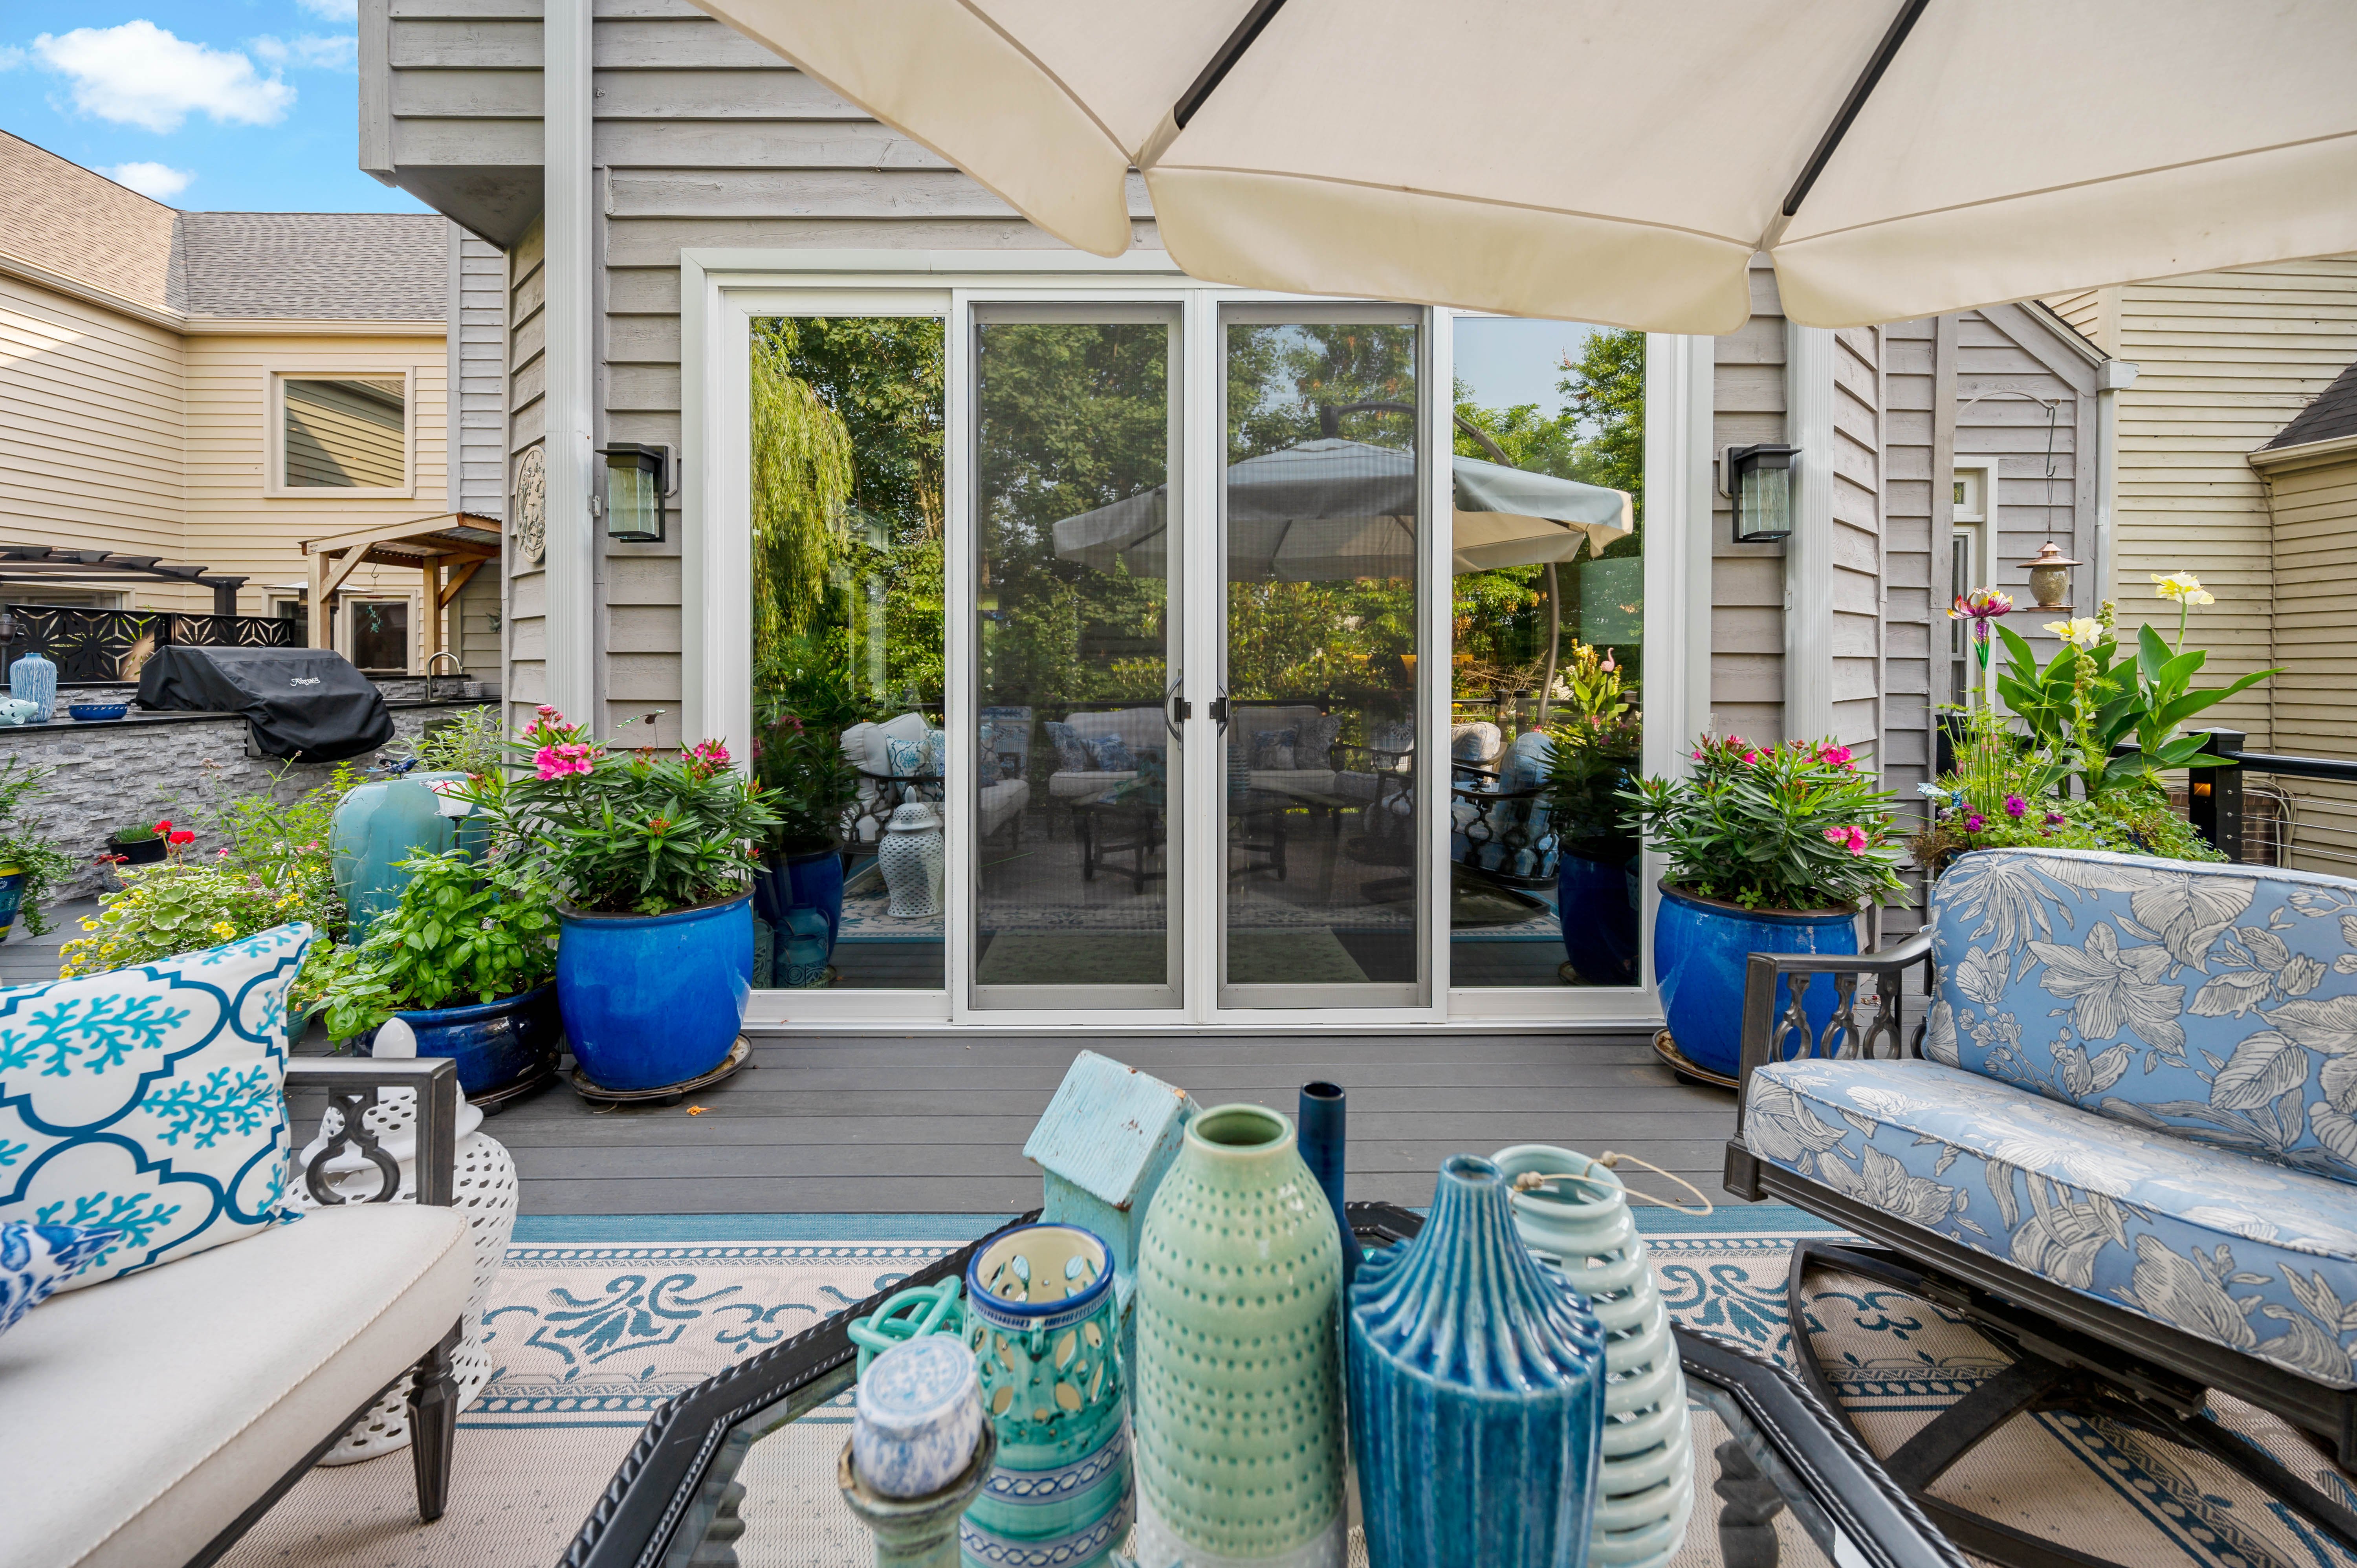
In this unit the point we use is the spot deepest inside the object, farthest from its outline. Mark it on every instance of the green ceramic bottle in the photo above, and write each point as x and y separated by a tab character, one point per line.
1238	1400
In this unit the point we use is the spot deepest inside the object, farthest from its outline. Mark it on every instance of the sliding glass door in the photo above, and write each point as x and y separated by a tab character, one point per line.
1078	792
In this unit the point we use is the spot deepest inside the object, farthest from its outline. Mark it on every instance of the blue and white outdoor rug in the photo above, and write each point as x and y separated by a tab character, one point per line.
596	1320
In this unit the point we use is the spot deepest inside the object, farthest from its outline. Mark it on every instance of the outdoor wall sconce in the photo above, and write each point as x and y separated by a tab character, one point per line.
2049	577
1759	479
638	478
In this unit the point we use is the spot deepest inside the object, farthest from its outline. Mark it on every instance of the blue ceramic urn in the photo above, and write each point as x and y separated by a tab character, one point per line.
1477	1392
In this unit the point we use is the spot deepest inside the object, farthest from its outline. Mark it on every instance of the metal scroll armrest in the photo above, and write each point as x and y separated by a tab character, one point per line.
355	1087
1771	1036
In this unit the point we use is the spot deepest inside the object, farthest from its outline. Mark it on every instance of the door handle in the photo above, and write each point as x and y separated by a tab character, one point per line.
1218	711
1177	710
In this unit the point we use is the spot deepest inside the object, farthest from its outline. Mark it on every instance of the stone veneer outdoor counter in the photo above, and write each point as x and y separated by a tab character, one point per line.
146	766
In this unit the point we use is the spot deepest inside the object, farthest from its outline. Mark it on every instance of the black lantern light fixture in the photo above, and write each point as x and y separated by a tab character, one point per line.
637	478
1760	481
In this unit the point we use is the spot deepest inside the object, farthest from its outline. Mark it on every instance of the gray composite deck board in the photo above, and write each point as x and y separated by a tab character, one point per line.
919	1124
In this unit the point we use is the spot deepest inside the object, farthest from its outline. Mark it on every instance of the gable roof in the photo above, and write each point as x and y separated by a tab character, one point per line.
2331	415
64	225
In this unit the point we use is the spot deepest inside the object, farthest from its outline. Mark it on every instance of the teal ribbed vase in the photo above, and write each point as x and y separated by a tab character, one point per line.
1477	1392
1238	1400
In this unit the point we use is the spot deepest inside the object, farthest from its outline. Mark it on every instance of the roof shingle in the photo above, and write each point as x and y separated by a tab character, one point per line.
2332	413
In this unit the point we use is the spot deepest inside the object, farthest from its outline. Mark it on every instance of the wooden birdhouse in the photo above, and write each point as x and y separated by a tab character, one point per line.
1102	1147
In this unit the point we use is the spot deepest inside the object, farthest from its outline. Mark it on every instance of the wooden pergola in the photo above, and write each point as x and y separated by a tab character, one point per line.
445	548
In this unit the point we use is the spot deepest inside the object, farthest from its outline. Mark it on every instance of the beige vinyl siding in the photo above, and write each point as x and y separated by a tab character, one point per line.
2314	700
2092	313
1747	580
473	636
527	628
1914	625
477	359
235	528
92	435
1857	643
2226	360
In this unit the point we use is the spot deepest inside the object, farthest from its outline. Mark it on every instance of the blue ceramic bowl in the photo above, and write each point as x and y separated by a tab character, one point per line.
97	713
494	1043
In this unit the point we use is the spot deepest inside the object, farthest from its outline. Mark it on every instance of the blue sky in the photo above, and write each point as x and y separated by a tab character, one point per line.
1507	362
211	105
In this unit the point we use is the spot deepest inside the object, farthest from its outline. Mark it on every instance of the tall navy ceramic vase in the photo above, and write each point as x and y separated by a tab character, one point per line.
1324	1140
1477	1392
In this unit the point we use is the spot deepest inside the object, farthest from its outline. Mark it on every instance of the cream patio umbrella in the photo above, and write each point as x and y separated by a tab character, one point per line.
1621	161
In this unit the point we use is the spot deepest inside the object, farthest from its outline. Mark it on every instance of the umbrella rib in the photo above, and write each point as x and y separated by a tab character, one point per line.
1863	89
1208	80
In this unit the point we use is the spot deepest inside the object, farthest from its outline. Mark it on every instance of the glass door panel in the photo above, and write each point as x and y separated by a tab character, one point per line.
1076	805
1319	529
1548	605
848	671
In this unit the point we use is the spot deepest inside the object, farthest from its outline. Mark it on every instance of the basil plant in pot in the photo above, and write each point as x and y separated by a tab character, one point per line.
1770	849
466	959
653	858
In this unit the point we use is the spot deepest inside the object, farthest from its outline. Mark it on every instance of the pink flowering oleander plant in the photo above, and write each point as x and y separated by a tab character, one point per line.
1792	825
628	831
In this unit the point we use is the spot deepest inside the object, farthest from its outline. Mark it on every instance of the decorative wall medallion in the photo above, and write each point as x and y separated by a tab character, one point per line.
531	506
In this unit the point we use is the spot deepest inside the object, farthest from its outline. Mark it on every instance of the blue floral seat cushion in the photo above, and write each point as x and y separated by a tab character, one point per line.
150	1102
2218	1002
2240	1251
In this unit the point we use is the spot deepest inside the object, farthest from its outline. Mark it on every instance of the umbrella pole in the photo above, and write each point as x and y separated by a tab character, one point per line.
1555	641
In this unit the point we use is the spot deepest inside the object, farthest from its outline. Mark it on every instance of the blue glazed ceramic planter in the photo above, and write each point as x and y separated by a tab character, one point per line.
653	1000
801	879
1477	1392
494	1043
1700	950
12	895
1595	903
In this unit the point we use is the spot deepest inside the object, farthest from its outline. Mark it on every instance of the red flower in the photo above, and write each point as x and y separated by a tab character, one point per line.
184	836
165	826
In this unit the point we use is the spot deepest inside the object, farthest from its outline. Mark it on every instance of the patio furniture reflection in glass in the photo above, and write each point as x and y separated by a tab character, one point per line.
1129	818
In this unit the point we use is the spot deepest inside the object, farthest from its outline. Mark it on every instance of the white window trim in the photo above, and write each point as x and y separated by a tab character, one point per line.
273	433
345	600
722	291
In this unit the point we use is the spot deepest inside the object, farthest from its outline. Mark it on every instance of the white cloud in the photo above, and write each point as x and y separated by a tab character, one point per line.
333	10
161	181
138	74
320	51
11	56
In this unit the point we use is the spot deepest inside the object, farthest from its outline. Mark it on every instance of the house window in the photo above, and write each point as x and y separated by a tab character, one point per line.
345	433
380	634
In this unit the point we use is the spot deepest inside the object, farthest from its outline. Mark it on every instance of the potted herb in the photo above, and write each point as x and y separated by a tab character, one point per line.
467	958
1770	849
1592	756
138	845
30	865
653	858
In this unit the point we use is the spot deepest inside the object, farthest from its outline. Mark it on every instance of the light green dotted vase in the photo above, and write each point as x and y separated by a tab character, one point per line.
1238	1400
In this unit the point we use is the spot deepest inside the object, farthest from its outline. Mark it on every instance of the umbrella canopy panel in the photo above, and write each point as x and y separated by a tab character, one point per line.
1895	159
1333	510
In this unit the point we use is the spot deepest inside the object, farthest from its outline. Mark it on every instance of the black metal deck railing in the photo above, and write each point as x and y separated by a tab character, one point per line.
2305	816
89	645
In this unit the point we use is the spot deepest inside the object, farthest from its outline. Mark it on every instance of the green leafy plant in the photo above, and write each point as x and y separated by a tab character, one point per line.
1592	751
25	846
140	833
805	776
284	843
463	932
157	911
630	834
1791	826
470	741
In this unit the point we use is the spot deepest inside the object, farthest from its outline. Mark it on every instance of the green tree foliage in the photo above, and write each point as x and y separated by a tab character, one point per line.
802	484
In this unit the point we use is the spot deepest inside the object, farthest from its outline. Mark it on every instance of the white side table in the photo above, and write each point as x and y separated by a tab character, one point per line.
485	1192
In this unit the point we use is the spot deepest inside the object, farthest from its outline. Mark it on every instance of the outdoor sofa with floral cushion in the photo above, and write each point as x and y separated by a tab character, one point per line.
2130	1111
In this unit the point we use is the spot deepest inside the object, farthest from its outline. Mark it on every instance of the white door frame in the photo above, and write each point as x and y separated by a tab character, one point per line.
722	291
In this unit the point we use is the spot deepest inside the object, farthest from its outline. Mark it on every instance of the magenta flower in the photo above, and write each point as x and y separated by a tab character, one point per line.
1751	756
1835	755
1981	606
565	758
2015	805
1975	822
2053	819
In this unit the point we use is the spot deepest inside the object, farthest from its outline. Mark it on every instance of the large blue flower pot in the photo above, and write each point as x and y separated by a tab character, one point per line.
654	1000
1595	903
495	1043
1477	1392
800	879
1701	949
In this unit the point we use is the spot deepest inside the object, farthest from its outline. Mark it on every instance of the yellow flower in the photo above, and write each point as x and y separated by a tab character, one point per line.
2080	632
223	929
89	925
2182	586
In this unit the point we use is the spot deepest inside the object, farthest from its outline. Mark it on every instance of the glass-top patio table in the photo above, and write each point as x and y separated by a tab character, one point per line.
741	1472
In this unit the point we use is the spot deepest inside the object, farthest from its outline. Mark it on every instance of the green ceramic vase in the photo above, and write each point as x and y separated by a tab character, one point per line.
1238	1397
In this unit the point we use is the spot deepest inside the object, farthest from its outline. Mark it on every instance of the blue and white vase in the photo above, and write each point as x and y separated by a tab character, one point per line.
1043	1320
33	679
1477	1392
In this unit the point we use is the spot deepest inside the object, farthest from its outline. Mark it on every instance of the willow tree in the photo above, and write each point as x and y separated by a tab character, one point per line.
802	489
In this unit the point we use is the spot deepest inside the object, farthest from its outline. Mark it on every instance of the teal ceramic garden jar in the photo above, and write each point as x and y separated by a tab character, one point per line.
1238	1406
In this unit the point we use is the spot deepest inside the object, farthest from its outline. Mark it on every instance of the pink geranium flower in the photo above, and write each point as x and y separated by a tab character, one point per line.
1835	755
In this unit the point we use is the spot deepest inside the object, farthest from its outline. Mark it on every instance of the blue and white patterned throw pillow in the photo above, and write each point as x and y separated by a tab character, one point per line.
35	1260
906	758
150	1102
1110	754
1071	752
937	753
